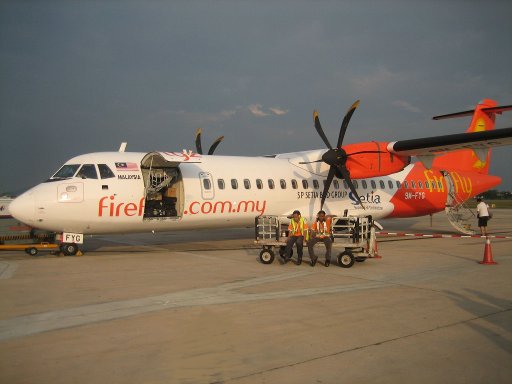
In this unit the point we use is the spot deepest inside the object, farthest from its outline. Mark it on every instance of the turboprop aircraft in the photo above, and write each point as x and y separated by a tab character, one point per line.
122	192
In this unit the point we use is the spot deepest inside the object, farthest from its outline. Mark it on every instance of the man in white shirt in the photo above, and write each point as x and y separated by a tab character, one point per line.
482	212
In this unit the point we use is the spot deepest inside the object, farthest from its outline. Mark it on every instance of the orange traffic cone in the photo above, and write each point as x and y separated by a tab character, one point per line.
487	254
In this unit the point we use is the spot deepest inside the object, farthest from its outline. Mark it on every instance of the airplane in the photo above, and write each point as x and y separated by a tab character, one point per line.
128	192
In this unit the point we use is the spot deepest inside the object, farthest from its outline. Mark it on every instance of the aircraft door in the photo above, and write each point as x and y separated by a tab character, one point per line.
207	189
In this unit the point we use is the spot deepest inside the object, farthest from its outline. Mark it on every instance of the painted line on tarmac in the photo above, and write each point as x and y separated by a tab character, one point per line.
7	269
226	293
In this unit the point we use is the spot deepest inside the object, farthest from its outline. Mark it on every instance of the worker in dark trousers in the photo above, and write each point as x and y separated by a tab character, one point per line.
321	231
297	230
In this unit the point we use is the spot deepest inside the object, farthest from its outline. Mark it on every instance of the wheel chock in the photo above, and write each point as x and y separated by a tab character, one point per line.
79	253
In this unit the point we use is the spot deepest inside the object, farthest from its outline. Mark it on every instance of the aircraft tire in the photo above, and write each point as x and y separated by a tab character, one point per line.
346	259
267	256
69	249
31	251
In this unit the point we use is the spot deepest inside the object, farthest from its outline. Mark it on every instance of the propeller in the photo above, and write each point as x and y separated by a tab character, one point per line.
199	147
337	157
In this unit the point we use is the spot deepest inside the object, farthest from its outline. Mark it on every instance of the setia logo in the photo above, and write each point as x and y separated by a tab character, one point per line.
370	197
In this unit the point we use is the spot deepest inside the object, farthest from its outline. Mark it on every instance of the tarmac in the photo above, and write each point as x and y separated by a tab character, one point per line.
199	307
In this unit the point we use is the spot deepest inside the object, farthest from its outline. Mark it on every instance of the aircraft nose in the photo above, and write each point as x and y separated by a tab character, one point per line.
22	208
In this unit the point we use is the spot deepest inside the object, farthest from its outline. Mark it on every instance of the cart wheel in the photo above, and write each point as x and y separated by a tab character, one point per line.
69	249
346	259
31	251
360	259
267	256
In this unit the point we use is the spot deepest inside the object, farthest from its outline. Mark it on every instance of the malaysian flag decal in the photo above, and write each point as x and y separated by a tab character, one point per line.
127	167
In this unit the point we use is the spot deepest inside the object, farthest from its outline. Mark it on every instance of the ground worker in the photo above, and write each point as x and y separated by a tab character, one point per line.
321	231
297	230
482	212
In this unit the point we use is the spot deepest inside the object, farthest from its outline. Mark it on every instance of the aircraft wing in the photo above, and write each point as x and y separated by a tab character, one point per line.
431	146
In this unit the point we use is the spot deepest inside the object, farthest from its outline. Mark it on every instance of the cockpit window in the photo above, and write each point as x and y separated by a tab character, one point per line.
88	171
105	171
66	171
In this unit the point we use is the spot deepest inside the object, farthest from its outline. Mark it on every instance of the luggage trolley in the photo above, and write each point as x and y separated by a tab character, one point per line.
355	234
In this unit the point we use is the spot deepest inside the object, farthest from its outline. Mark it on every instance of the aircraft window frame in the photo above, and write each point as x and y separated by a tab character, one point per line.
294	184
105	172
336	184
65	167
433	184
405	184
440	185
282	183
305	184
271	184
247	184
259	184
234	184
356	184
364	184
413	184
390	184
207	184
316	185
398	184
221	184
374	184
381	184
420	184
90	168
427	185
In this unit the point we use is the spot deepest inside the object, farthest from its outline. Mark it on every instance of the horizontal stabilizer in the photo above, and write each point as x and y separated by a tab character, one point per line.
470	112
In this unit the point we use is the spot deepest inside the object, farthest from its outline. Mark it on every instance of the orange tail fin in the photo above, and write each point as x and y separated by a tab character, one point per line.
483	119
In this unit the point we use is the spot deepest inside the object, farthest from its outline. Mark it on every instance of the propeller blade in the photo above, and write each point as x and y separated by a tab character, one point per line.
320	131
214	145
309	162
330	176
346	176
199	148
345	122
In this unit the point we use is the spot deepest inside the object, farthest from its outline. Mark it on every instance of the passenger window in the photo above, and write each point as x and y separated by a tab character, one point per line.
356	184
336	184
390	184
315	184
294	184
440	185
345	185
88	171
271	184
397	184
259	184
247	184
66	171
220	183
206	184
305	184
365	186
282	183
427	185
105	171
420	185
413	185
381	183
234	184
374	186
434	186
406	185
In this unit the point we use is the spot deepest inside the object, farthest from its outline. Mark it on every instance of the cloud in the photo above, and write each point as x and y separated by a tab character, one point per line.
256	110
279	111
406	105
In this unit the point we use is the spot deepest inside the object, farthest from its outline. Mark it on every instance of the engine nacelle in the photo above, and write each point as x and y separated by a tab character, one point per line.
372	159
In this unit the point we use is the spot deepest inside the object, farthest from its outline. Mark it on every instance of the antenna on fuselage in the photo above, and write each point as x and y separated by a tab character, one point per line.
122	147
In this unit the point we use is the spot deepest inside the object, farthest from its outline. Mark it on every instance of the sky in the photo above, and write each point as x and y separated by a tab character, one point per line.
84	76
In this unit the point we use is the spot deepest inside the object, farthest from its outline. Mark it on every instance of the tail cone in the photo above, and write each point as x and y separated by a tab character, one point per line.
487	254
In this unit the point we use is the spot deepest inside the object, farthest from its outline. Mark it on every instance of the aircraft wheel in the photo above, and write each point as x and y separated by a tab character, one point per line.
346	259
69	249
31	251
267	256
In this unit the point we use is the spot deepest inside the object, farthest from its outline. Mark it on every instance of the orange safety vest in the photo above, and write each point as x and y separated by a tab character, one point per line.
298	230
322	228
